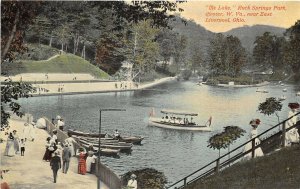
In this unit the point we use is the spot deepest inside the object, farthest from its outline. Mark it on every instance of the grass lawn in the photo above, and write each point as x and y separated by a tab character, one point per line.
66	63
280	170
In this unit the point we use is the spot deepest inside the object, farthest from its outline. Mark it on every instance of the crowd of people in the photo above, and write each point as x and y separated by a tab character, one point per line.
59	153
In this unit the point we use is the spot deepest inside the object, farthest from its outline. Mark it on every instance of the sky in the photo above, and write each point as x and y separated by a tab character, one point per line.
273	13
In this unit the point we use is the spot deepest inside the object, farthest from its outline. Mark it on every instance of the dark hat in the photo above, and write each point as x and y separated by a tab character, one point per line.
294	105
255	122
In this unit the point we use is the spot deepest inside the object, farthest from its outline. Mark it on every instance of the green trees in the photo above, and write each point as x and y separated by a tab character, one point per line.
142	47
226	56
270	106
292	50
225	138
10	93
268	51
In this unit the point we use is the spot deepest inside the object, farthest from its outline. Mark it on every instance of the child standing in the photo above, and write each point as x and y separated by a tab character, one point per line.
22	145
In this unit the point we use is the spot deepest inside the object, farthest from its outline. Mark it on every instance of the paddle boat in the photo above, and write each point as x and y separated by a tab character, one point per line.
178	120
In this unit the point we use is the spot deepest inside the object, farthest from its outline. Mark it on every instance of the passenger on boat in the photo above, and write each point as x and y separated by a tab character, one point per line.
117	134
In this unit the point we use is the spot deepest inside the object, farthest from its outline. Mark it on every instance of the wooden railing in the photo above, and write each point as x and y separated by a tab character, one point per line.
105	174
222	162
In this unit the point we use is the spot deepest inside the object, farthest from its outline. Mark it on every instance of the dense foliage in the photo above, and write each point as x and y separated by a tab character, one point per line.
146	178
10	93
225	138
270	106
226	56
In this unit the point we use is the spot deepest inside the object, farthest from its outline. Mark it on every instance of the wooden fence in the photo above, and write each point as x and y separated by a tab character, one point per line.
104	173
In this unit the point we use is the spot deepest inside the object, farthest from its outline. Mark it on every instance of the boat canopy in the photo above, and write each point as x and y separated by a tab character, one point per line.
176	112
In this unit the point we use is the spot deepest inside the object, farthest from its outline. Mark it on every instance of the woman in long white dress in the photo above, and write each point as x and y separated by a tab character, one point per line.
16	141
89	160
9	150
292	136
70	141
253	133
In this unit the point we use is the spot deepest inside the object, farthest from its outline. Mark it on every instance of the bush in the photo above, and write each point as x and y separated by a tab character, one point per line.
146	178
186	74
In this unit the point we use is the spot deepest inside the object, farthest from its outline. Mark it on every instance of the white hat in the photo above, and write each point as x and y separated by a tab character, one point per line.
133	176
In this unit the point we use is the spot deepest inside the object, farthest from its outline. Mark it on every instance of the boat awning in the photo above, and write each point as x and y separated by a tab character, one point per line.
177	112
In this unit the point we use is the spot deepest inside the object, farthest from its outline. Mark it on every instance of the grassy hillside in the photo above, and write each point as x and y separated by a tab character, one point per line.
276	171
66	63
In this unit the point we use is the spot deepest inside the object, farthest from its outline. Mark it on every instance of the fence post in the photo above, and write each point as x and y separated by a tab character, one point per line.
217	165
184	181
283	133
253	147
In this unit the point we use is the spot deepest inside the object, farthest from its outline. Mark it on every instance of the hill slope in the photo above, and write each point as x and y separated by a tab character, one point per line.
247	34
65	63
275	171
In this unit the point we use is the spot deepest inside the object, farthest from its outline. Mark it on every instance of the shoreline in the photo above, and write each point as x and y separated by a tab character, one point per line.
241	86
95	87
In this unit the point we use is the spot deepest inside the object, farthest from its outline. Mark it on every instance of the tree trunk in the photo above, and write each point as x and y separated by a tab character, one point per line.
83	52
62	46
11	37
50	42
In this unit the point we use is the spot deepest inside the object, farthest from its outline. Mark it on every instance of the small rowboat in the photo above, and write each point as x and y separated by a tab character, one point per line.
116	146
79	133
128	139
104	151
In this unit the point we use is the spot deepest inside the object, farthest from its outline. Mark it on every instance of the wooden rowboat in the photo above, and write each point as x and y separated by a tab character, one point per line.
104	151
110	146
128	139
79	133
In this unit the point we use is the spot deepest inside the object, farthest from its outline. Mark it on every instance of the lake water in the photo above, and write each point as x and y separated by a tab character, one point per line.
176	153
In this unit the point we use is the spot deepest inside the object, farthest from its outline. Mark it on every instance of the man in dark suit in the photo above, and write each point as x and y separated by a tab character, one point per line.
55	164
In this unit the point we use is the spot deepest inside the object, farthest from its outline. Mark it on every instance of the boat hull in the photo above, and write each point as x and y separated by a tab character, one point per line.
157	123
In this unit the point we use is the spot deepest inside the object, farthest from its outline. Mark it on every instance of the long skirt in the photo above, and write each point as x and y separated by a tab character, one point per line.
16	145
47	155
9	149
81	166
292	136
258	151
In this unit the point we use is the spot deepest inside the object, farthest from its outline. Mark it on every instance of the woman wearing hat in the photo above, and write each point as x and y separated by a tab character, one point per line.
253	133
132	183
292	136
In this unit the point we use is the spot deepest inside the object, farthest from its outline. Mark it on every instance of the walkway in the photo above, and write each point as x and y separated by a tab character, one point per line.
30	171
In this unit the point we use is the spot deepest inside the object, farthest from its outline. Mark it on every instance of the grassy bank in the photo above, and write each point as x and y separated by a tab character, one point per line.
66	63
276	171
